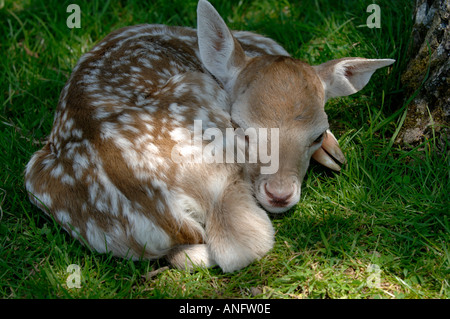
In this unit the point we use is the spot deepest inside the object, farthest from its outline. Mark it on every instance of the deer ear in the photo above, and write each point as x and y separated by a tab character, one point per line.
220	52
348	75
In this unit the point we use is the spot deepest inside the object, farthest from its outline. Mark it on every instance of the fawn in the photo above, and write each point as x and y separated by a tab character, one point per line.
107	173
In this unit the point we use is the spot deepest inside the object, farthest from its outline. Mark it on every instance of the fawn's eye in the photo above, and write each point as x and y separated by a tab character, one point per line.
319	139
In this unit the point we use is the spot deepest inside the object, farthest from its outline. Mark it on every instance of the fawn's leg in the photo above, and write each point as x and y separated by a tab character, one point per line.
238	230
188	256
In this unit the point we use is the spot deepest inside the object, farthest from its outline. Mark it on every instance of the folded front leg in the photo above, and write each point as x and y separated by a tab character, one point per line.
191	256
238	230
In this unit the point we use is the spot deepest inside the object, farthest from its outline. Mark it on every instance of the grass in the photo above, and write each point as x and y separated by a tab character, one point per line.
388	207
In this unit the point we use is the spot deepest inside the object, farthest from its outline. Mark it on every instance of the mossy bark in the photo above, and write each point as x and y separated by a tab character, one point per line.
426	77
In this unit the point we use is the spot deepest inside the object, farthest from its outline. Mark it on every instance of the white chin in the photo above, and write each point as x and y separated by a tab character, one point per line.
276	210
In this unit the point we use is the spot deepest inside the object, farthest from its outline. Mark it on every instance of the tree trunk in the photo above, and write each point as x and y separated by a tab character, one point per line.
427	75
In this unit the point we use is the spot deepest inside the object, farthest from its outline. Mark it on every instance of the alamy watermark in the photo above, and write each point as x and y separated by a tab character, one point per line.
74	19
374	279
235	147
74	279
373	20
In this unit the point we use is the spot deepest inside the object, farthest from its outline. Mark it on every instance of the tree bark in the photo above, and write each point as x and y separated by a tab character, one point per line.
426	76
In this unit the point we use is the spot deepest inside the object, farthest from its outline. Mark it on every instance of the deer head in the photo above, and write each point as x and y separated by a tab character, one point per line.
284	93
